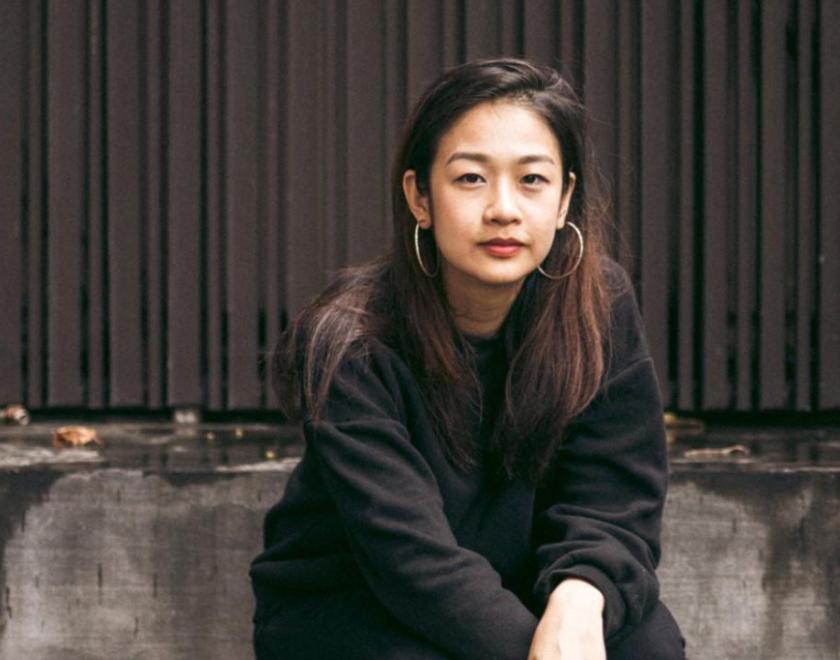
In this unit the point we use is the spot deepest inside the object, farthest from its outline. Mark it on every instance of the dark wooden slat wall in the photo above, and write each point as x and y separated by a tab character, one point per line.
304	252
96	335
715	186
828	355
773	216
68	162
686	342
12	54
656	164
744	232
244	156
213	194
182	177
183	221
33	216
153	157
627	100
273	294
366	228
805	200
124	130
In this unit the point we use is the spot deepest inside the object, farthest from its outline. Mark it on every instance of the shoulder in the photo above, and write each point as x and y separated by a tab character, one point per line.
626	340
616	279
368	375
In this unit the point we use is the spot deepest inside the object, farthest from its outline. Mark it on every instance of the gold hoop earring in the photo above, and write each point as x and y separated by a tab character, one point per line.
577	263
425	270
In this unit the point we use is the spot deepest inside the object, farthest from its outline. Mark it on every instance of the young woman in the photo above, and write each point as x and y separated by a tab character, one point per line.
485	463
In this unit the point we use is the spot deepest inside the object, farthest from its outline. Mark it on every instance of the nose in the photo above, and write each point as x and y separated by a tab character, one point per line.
502	205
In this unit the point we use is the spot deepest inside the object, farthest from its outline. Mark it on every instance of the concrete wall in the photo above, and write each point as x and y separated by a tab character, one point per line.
751	566
102	560
115	563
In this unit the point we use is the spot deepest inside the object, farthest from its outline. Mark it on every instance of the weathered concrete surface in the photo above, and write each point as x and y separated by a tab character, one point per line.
751	568
114	562
141	549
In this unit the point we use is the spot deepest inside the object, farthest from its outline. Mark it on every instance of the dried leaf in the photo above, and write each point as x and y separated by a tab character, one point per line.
74	436
15	414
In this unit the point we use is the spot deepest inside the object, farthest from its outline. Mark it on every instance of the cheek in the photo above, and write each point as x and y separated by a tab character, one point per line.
451	219
451	239
544	243
547	231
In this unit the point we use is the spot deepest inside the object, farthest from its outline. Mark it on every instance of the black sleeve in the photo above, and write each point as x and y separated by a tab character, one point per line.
393	514
602	510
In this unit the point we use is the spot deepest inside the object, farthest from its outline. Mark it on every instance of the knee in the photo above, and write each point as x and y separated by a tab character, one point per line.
657	637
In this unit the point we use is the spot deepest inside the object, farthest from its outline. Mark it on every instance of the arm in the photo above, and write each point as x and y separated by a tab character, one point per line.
392	511
601	516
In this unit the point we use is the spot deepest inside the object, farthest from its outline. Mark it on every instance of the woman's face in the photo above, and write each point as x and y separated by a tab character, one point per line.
495	199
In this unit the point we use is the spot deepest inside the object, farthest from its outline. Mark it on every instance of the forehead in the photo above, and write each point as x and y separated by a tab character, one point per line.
500	129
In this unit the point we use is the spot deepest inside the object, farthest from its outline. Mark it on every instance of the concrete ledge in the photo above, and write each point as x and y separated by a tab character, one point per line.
751	569
141	549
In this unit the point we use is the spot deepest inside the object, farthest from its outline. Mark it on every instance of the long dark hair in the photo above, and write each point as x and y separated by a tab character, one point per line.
555	333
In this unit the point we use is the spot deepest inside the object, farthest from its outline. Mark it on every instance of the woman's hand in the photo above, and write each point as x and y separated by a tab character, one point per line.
572	627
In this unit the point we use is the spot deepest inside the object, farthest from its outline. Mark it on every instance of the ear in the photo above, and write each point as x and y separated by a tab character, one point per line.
418	203
565	200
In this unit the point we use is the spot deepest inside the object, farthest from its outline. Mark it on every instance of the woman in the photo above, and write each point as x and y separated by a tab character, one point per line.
485	464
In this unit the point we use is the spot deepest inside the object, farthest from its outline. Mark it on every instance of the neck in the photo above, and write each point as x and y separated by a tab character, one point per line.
480	313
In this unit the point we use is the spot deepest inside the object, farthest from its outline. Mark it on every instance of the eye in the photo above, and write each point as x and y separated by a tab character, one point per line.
470	178
534	179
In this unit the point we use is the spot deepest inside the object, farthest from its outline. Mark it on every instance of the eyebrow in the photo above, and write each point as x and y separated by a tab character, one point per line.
484	158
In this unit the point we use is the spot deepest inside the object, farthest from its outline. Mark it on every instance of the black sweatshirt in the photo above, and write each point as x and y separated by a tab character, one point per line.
467	562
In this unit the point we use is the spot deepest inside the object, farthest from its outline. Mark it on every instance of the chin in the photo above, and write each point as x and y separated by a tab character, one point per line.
503	279
496	276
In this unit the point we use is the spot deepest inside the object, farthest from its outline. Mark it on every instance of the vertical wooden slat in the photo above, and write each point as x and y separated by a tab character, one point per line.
656	168
482	29
67	33
183	239
625	202
806	211
510	29
424	45
152	281
242	155
275	174
366	216
35	249
96	359
687	211
12	44
829	248
124	171
600	84
571	47
304	237
716	216
540	22
452	28
394	101
215	191
747	208
261	234
773	181
335	84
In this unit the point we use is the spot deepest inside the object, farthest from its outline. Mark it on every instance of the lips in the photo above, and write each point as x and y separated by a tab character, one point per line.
502	247
503	242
